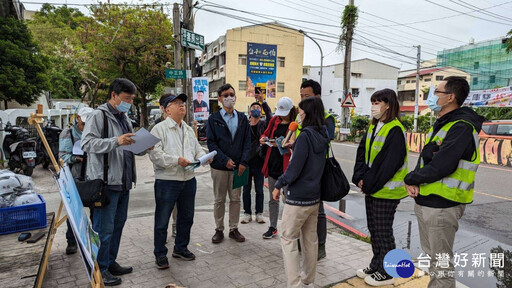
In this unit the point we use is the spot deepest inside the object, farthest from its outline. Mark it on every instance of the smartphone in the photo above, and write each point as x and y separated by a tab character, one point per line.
257	90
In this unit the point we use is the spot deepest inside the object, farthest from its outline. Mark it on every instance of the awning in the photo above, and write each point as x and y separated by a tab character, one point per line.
411	108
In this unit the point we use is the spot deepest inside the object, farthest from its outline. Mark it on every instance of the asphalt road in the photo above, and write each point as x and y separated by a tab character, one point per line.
485	224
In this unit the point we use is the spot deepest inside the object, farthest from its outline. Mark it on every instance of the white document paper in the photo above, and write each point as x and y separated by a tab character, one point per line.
77	150
143	141
201	161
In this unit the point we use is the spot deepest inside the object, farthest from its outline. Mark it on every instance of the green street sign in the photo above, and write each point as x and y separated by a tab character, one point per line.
192	40
175	74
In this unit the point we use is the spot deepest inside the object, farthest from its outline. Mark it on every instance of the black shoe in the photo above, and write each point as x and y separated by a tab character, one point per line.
162	262
71	249
236	235
218	237
378	279
185	255
321	252
109	279
363	273
270	233
119	270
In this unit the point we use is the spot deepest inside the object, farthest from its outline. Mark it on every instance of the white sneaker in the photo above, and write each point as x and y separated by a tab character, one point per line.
259	218
362	273
246	218
377	279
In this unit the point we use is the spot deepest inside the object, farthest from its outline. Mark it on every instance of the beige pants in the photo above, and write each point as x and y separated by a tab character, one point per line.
299	222
437	228
222	183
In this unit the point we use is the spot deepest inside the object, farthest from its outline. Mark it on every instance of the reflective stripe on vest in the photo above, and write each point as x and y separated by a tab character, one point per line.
458	186
395	187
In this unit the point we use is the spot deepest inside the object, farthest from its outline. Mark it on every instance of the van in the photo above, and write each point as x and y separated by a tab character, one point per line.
499	129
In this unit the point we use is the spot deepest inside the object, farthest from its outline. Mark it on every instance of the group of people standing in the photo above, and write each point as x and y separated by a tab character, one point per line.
441	184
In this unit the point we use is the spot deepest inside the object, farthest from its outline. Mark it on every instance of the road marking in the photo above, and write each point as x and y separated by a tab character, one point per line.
495	196
343	144
346	227
338	212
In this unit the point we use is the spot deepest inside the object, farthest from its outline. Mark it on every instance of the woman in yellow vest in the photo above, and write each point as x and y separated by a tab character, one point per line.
380	168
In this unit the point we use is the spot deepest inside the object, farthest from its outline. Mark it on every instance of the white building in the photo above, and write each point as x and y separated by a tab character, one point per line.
367	76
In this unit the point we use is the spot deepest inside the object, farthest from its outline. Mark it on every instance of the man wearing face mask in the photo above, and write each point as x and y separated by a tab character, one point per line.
443	181
228	133
109	219
258	126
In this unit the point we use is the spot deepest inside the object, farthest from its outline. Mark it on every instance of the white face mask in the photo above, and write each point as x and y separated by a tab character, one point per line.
229	102
377	111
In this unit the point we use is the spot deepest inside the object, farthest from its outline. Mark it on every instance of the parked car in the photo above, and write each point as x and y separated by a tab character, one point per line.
499	129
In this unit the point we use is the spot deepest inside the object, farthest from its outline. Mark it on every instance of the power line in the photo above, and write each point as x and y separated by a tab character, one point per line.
307	12
96	4
473	16
482	11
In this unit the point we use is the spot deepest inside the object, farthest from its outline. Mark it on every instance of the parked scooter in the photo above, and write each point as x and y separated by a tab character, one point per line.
201	131
19	149
52	133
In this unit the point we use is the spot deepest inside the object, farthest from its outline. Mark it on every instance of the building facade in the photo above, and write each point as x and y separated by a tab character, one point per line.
487	62
429	76
225	61
367	76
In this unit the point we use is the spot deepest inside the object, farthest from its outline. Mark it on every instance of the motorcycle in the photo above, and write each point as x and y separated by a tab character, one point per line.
52	133
201	131
19	149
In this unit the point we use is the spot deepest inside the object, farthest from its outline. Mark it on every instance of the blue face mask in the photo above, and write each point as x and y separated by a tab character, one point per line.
255	113
123	107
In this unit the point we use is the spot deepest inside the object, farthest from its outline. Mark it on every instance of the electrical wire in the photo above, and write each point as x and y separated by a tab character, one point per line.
482	11
473	16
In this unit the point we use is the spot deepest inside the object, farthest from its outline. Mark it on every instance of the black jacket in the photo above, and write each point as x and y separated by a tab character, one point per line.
219	139
262	125
389	160
441	161
306	167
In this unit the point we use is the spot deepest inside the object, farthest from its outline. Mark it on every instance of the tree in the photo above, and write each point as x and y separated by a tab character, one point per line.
23	69
129	42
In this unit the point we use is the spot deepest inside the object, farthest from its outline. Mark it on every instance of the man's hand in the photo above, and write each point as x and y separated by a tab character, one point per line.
125	139
241	169
276	193
360	184
258	97
79	159
183	162
230	164
412	190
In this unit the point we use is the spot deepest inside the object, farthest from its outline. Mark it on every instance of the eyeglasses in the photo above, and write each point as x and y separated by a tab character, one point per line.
177	103
228	95
442	92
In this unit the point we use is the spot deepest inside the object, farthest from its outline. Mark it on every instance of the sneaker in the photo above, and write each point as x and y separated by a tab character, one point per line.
162	262
71	249
246	218
109	279
270	233
185	255
259	218
377	279
362	273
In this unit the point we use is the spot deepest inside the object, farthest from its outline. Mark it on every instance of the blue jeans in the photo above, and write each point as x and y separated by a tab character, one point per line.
109	223
167	194
254	171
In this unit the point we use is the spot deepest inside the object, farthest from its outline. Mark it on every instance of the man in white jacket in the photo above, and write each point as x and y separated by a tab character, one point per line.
174	185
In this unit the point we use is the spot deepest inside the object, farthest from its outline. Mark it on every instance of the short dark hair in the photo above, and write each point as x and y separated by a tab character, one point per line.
120	85
223	88
314	109
389	97
256	103
163	97
458	86
317	89
200	91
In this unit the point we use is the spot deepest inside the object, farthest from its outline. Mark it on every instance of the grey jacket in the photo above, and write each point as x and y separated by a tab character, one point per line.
94	144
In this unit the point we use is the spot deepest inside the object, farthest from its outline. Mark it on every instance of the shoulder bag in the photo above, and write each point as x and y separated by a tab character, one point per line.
334	184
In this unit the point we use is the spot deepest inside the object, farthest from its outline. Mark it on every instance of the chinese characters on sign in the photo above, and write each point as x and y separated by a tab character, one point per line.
499	97
201	97
192	40
479	261
175	74
261	69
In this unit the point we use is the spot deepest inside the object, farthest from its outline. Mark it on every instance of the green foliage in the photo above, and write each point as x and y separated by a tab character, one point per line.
23	69
495	113
359	124
423	123
348	22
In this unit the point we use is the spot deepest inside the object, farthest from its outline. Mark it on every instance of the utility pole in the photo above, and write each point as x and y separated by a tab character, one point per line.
177	42
346	68
418	60
188	58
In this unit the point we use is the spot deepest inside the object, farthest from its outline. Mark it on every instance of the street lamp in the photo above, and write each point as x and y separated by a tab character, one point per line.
321	55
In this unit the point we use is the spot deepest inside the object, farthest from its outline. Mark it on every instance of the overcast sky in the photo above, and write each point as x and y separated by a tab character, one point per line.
380	25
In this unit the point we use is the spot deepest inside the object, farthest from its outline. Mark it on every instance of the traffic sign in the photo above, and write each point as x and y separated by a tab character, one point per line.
192	40
175	74
348	102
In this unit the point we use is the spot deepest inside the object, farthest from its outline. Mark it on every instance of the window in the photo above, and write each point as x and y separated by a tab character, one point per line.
399	82
475	81
477	65
439	78
221	69
355	92
242	59
204	57
221	45
408	81
504	129
305	71
280	61
356	75
492	79
242	85
427	79
215	72
413	81
215	50
280	86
